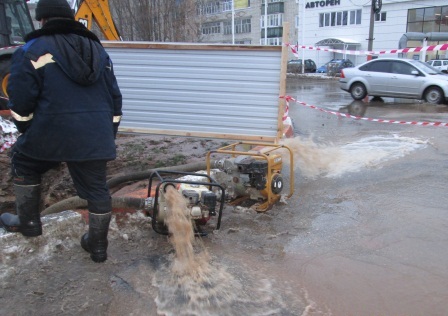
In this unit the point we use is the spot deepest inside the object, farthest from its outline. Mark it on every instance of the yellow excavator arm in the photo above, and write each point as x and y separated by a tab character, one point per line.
98	11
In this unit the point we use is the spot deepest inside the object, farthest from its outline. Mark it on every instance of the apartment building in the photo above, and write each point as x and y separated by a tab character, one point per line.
337	24
250	25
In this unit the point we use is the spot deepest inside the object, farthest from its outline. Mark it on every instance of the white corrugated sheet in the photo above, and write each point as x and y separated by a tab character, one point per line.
216	91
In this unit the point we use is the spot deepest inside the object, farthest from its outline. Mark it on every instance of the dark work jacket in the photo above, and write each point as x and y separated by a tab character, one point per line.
64	96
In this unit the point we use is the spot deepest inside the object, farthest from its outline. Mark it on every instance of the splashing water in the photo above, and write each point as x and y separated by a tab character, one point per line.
311	158
332	161
187	262
192	285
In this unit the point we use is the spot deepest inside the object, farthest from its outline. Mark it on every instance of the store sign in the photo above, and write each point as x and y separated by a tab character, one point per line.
320	4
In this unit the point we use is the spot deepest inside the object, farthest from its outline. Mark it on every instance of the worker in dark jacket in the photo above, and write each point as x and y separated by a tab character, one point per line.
65	101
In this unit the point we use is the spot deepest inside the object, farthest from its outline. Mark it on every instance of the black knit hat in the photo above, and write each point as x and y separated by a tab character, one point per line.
52	9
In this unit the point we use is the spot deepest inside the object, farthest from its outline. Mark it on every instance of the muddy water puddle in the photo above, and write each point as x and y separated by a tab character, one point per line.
197	283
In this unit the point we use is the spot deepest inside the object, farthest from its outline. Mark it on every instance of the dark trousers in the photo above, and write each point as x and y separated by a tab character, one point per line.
89	178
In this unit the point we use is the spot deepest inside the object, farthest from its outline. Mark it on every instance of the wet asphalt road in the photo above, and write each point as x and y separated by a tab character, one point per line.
374	237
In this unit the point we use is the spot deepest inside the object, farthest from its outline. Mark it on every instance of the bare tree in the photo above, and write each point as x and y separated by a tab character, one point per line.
123	22
156	20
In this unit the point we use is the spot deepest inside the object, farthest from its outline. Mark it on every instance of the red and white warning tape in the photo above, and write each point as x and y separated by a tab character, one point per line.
431	48
289	98
286	114
8	47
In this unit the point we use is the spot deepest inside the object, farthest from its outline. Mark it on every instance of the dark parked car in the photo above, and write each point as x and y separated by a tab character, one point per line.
323	69
295	66
396	78
335	66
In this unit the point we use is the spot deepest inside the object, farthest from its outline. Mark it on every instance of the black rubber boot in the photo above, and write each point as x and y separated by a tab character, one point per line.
27	221
95	241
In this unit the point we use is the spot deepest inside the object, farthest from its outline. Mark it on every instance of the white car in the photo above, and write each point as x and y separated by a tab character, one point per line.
396	78
439	64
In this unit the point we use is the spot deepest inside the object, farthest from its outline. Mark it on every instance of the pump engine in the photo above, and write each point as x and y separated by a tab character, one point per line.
203	197
248	176
252	171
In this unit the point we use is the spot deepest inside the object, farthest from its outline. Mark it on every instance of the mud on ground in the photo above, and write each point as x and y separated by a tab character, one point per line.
52	275
134	153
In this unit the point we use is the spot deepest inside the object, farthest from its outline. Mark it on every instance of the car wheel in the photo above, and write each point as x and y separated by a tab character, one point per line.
434	95
358	91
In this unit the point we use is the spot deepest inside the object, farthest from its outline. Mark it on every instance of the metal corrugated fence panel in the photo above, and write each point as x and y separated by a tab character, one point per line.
215	93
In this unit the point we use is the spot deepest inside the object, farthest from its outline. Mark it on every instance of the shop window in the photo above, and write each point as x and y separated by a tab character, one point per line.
358	16
333	19
340	18
352	17
416	15
430	26
432	14
432	19
415	27
327	19
344	17
355	17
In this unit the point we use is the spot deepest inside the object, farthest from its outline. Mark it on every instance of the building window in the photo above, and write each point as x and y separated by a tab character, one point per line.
271	41
273	20
212	7
211	28
355	16
215	7
272	32
227	5
243	42
241	26
344	17
340	18
333	18
227	26
432	19
380	17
